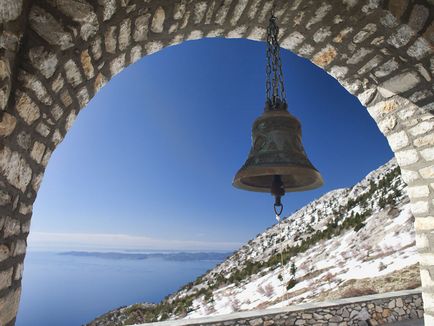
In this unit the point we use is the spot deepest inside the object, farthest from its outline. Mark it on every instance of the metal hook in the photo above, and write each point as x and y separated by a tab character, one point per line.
278	209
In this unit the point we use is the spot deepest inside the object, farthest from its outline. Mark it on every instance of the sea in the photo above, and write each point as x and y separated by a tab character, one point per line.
73	288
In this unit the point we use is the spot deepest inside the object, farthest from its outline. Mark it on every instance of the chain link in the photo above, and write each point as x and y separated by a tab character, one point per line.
274	84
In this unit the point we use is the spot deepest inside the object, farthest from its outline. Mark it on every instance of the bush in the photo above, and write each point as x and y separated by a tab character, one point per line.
269	290
291	284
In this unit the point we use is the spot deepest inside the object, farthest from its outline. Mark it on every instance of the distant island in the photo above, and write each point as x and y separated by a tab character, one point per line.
172	256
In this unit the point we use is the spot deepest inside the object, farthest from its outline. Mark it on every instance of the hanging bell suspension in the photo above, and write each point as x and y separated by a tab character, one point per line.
277	162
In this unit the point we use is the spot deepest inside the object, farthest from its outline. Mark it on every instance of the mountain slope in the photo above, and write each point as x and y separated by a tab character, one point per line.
349	242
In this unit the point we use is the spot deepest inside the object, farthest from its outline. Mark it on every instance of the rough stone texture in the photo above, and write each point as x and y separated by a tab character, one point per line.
56	54
49	28
369	310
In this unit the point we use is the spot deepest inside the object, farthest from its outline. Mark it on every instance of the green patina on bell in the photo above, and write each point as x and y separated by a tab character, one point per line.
277	151
277	162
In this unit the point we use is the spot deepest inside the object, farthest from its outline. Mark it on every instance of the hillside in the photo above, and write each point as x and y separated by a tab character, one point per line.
349	242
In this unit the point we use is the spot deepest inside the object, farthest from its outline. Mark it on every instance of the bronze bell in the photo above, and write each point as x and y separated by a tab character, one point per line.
277	162
277	152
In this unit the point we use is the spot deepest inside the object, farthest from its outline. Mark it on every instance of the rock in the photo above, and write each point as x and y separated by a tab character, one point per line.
32	83
11	227
109	8
418	17
83	97
4	252
10	10
70	120
321	34
256	322
58	83
57	137
179	9
117	64
14	168
419	49
110	39
398	140
96	47
405	158
7	124
428	154
100	81
157	24
292	41
366	32
124	34
26	108
386	68
81	12
44	60
399	84
56	112
86	63
37	151
325	56
135	54
359	56
401	37
19	272
46	26
428	172
9	306
141	28
6	278
73	75
42	129
36	183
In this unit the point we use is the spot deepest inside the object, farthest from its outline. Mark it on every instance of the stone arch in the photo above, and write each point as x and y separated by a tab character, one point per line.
56	54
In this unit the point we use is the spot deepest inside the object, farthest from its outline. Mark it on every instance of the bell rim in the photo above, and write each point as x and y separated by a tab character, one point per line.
265	171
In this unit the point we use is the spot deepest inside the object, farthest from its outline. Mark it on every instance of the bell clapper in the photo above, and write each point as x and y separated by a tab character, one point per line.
277	190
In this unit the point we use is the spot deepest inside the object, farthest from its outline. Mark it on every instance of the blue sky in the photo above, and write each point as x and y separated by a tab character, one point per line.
149	162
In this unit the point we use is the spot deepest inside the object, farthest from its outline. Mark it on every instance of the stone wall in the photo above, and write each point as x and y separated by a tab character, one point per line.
55	55
378	309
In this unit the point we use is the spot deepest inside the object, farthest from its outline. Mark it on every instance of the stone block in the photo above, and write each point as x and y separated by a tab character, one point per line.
7	124
73	74
424	223
37	151
398	140
6	278
46	26
157	24
415	192
325	56
44	60
402	36
14	168
422	128
427	172
399	84
428	154
9	306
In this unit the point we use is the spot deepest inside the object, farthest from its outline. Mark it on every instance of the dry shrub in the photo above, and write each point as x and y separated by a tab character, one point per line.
357	292
235	304
327	277
269	290
381	266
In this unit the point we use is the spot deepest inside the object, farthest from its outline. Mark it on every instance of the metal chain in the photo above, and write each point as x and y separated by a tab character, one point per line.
275	88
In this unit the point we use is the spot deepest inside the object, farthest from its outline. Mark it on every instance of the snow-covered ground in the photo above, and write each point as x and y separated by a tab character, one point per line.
385	244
